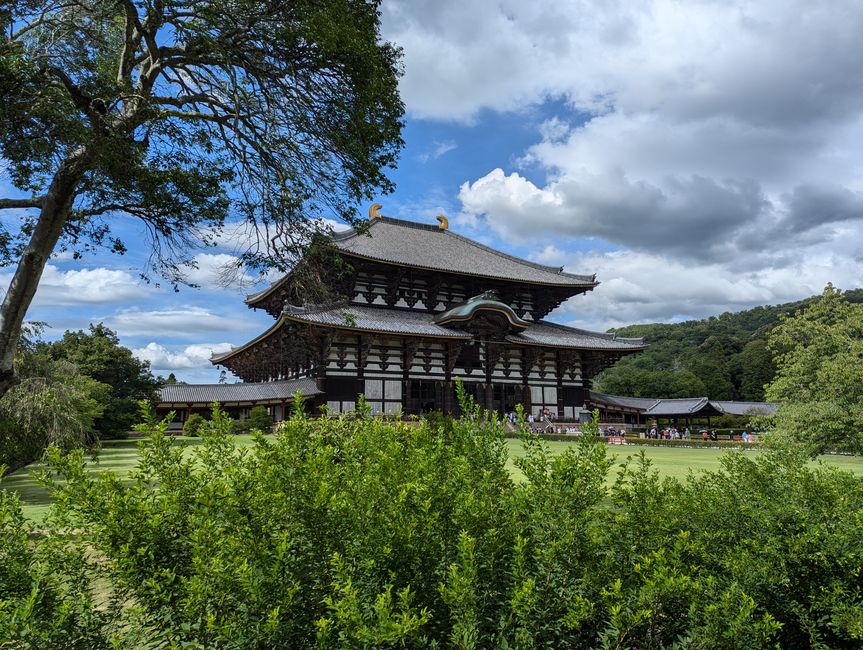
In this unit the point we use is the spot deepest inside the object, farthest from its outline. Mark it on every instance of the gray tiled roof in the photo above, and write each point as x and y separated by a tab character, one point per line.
638	403
374	319
681	406
560	336
425	246
744	408
420	323
223	393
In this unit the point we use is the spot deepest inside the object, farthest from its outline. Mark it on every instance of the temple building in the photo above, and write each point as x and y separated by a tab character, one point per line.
419	307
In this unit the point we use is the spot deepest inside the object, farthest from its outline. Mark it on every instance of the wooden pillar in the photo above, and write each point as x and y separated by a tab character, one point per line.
407	360
364	346
488	397
448	388
558	371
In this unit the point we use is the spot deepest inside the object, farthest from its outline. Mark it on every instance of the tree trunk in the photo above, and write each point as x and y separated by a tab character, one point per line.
55	211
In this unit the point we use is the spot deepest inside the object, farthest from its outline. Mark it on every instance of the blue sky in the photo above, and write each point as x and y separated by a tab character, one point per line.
699	157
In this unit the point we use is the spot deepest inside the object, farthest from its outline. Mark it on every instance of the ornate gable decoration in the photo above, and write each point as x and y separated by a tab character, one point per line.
485	314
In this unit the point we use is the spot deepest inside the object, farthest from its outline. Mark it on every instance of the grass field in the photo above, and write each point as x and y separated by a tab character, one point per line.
120	456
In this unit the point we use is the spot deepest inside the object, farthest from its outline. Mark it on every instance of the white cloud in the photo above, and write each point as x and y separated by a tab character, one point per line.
97	286
773	61
185	322
642	287
195	356
551	255
440	148
218	271
715	147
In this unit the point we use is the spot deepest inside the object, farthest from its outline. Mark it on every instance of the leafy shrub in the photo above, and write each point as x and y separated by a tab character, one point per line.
260	419
46	595
358	532
192	425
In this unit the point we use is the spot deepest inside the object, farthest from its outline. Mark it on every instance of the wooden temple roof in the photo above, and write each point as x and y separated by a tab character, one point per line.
682	406
417	245
421	246
422	325
271	391
635	403
692	406
373	319
560	336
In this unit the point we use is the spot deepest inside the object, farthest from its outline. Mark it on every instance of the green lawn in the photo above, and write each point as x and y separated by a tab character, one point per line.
120	456
677	462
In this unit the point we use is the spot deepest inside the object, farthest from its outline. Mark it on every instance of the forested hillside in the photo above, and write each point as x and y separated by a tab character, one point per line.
721	357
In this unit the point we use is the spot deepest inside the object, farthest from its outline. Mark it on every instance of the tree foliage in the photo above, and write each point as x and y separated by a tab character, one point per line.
53	404
181	115
99	355
819	381
721	357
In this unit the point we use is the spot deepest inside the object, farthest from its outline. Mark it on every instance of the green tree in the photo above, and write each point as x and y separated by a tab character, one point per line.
53	404
181	114
819	378
756	370
98	354
709	363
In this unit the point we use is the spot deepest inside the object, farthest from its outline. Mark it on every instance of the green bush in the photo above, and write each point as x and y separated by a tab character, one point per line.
47	598
192	425
260	419
363	533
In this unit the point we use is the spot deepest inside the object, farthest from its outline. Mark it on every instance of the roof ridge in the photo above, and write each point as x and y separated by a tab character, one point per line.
557	270
681	399
350	233
542	267
240	383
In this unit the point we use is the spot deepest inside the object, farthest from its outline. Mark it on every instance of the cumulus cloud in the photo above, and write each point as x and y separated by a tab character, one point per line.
642	287
715	147
689	216
218	271
195	356
185	322
97	286
770	62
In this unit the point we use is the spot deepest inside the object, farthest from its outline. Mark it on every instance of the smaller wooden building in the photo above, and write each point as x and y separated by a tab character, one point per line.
636	411
236	399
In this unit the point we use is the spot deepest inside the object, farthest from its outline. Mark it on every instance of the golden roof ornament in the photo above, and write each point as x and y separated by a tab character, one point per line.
444	222
374	211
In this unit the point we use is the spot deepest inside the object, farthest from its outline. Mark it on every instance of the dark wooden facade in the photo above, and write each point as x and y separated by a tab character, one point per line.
392	338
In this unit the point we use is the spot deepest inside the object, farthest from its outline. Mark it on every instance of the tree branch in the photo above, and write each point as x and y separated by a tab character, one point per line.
79	98
6	204
133	31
